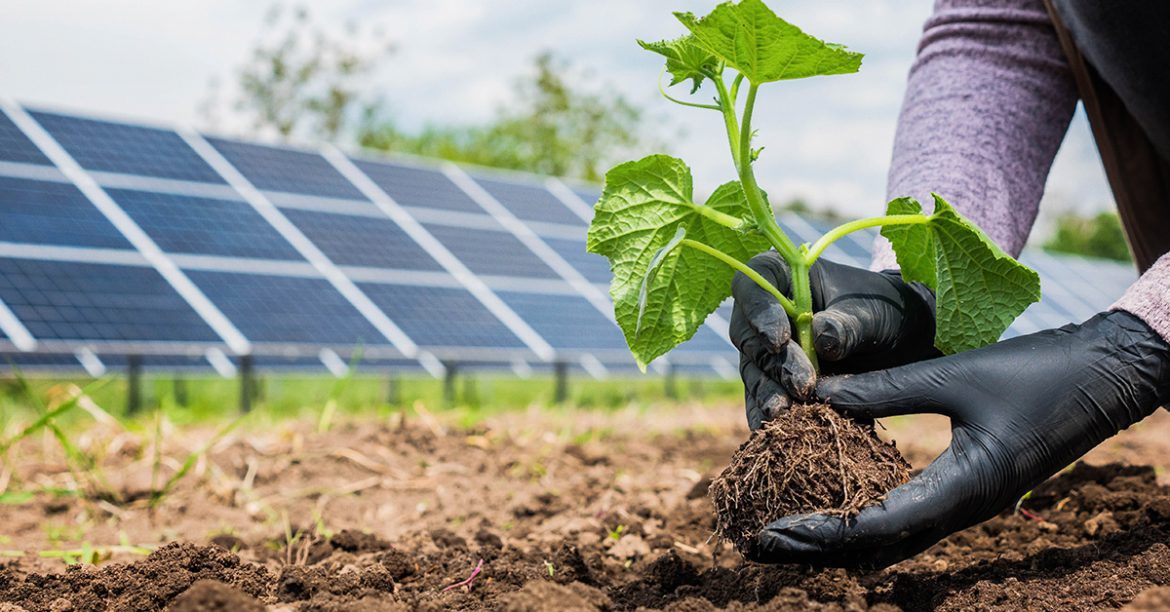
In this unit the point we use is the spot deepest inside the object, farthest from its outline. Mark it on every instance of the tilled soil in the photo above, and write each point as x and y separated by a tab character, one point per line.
616	522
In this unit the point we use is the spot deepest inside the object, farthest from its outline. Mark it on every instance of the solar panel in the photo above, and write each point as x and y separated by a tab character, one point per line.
362	241
42	212
107	146
593	267
286	170
418	187
441	316
589	196
490	252
565	321
204	226
16	147
59	300
286	310
530	202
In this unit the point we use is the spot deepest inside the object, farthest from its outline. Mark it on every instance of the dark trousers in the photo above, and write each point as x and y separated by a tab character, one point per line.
1119	52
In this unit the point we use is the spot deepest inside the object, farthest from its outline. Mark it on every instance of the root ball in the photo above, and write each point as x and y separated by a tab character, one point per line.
809	460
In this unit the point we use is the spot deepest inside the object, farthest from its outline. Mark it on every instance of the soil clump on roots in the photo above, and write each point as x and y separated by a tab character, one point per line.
809	460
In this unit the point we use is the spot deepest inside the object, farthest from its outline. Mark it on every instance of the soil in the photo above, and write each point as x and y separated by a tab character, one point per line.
609	515
810	460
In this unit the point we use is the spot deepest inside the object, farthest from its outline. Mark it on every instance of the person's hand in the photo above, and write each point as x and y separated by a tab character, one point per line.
1020	410
864	321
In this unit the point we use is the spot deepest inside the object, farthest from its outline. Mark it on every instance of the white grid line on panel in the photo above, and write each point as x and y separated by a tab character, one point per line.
303	245
35	172
570	199
116	257
117	180
273	267
452	218
129	229
314	203
387	276
435	249
15	330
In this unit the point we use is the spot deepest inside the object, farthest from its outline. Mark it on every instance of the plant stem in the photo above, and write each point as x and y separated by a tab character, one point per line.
731	122
722	218
822	243
662	91
789	307
801	291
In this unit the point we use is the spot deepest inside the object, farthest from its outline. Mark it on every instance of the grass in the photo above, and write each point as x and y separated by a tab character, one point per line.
323	398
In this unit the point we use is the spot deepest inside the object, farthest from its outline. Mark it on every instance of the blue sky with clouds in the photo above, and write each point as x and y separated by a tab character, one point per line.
828	139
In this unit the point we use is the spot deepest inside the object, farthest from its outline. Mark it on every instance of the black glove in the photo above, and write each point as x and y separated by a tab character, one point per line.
1020	410
864	321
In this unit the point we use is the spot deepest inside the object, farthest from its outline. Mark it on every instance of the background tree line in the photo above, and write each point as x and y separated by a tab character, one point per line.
300	82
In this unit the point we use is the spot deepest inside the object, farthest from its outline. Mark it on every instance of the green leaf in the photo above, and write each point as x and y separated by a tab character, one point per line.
685	59
979	289
645	209
765	48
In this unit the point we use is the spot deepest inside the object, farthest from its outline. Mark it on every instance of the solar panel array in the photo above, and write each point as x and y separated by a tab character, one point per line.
192	251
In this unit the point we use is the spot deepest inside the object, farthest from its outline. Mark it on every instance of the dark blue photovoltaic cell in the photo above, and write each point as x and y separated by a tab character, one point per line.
489	252
286	310
441	316
204	226
286	170
362	241
84	301
106	146
16	147
37	361
530	202
418	187
565	321
593	267
42	212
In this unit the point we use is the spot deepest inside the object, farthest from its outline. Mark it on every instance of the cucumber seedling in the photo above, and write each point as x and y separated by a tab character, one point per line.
673	259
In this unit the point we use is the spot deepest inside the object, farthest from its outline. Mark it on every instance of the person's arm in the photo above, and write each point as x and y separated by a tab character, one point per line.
983	133
987	104
1149	298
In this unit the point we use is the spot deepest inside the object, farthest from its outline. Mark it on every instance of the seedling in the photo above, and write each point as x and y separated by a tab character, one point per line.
673	259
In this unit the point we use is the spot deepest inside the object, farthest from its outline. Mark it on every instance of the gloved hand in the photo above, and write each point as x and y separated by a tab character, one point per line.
864	321
1020	411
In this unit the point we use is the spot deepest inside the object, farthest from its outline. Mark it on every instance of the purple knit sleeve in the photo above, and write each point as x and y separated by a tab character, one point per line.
1149	298
987	104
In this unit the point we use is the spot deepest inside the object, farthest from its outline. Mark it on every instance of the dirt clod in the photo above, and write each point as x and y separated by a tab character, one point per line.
212	595
810	460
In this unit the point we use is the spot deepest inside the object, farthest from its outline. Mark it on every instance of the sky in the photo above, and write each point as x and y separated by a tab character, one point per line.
828	139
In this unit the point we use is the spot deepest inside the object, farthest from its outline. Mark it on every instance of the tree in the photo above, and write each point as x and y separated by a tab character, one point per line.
302	81
550	127
1096	236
